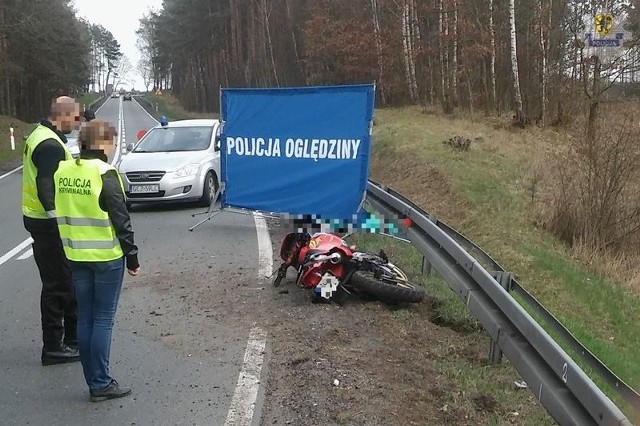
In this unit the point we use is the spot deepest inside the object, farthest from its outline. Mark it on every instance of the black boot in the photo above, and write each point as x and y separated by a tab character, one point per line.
112	391
60	355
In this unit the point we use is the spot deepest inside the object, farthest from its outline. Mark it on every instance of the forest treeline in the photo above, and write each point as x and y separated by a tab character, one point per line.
526	57
529	57
47	51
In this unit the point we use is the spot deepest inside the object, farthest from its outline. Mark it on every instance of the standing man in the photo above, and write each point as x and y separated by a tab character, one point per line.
44	149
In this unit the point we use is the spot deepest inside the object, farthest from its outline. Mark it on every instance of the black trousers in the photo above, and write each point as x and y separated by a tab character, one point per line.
58	305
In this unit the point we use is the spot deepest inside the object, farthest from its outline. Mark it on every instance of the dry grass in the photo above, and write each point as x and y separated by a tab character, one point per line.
618	267
170	107
491	194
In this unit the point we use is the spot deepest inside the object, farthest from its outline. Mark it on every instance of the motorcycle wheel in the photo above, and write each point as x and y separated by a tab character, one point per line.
392	289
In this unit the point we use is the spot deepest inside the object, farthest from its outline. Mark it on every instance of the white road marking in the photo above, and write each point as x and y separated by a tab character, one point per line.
118	149
27	254
11	172
265	250
15	250
246	393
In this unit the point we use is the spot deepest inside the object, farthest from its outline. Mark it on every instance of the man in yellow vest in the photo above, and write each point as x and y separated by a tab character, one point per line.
44	149
97	237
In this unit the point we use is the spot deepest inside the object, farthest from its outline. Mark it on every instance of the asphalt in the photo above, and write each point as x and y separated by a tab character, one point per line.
172	384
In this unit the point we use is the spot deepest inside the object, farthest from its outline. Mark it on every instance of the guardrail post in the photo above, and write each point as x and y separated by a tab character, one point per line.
426	265
504	279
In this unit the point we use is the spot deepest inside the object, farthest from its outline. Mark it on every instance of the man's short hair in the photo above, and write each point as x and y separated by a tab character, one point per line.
64	105
96	132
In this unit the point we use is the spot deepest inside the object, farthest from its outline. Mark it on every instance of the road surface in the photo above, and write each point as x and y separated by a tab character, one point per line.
174	380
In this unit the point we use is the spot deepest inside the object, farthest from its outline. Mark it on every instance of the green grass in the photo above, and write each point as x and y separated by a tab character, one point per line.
449	310
11	158
168	106
86	100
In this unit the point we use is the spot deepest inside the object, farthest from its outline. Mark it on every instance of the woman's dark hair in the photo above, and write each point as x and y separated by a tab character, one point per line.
95	132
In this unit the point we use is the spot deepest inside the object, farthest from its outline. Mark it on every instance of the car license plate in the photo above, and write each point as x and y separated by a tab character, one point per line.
144	189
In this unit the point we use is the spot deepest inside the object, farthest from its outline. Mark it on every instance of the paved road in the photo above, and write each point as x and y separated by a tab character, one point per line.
172	383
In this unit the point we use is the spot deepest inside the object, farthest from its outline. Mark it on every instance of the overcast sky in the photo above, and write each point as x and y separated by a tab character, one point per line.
121	18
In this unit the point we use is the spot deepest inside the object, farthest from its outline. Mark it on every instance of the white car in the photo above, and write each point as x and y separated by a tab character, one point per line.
72	142
177	161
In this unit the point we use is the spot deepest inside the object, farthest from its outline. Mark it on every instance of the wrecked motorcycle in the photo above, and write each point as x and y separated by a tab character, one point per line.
327	264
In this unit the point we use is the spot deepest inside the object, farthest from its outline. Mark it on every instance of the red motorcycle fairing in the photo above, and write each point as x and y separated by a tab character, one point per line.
322	243
314	274
291	245
296	249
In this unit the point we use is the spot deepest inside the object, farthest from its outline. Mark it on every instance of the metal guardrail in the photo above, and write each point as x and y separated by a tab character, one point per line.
97	103
560	385
626	392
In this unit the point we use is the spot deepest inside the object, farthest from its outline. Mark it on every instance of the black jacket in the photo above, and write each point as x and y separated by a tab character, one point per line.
112	201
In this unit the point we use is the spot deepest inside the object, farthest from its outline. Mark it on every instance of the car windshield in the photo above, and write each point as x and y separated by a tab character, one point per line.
172	139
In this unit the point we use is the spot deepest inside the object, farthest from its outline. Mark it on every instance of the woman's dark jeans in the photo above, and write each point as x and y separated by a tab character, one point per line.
97	288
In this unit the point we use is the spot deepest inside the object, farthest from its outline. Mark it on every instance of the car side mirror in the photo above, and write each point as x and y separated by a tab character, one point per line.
217	143
129	147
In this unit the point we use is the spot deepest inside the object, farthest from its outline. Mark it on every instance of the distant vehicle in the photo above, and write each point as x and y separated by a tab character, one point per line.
174	161
115	95
126	97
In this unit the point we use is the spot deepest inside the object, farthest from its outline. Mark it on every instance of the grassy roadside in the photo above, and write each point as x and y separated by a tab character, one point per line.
9	158
86	100
167	105
492	183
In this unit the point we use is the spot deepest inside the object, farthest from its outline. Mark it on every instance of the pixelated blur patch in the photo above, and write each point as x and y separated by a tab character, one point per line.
367	223
98	132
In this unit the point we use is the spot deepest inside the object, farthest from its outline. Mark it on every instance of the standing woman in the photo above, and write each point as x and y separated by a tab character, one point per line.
96	233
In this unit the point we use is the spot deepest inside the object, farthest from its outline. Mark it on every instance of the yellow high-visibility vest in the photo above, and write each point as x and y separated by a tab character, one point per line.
85	229
31	205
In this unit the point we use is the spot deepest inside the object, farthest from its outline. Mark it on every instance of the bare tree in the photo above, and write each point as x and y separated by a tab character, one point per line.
122	72
376	30
408	10
265	12
454	76
492	37
520	117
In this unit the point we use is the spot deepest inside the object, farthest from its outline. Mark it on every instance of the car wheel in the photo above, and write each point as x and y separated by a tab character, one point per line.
210	188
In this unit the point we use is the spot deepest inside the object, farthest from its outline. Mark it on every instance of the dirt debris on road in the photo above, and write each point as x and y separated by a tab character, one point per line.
362	363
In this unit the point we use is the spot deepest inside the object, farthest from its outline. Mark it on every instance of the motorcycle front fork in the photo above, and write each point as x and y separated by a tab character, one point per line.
282	272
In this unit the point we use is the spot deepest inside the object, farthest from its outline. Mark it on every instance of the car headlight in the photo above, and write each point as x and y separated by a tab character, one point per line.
188	170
